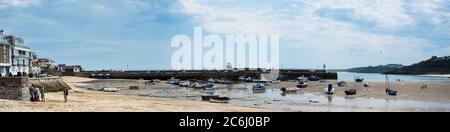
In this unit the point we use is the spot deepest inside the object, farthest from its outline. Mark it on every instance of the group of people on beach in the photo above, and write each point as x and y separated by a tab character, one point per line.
37	93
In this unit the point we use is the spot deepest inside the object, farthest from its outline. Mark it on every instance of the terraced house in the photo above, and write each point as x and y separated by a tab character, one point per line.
15	56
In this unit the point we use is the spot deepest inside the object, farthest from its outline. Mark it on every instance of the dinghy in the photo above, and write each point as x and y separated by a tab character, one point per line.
185	84
314	78
342	84
390	91
302	85
289	90
210	86
359	80
329	90
197	86
259	87
302	78
219	99
352	91
111	89
207	97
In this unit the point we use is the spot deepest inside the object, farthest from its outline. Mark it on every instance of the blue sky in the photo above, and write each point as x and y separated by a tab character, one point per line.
111	34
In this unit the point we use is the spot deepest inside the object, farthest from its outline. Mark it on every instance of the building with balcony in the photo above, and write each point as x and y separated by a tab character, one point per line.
15	57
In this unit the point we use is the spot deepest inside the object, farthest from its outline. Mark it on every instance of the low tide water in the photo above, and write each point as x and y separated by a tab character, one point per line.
376	77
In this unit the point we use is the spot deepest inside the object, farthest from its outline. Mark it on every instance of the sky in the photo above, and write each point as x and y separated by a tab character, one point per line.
136	34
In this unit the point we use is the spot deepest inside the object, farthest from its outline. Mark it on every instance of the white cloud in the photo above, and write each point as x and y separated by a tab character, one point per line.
18	3
300	27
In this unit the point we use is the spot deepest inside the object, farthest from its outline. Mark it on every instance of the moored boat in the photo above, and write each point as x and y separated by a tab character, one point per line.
329	90
314	78
289	90
302	84
390	91
219	99
207	97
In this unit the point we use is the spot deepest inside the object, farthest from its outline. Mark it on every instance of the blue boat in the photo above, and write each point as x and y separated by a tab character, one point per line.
259	86
210	86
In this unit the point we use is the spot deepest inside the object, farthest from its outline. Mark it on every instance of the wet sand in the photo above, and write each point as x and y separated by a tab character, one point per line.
435	92
81	100
436	97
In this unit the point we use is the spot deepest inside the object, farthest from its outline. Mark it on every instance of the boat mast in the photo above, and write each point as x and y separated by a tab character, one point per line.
387	82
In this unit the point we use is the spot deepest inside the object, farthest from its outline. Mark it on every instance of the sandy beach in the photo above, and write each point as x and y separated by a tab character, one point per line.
81	100
164	97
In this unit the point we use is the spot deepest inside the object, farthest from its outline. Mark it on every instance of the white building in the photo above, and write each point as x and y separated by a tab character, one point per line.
15	56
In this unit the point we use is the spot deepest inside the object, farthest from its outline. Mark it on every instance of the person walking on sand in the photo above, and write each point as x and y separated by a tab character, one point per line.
38	95
32	98
42	89
66	93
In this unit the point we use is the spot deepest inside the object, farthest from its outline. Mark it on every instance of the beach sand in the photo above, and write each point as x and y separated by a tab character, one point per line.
81	100
434	98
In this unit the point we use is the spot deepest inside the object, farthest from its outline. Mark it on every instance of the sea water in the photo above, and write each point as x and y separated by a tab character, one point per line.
376	77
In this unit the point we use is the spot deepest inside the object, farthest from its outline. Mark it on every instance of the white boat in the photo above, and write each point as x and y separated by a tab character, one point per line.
302	84
185	84
111	89
198	86
329	90
302	79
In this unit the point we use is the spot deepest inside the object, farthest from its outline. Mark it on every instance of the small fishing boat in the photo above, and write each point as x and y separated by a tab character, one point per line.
265	82
249	79
134	87
276	81
185	84
207	97
219	99
289	90
314	78
342	84
329	90
198	86
358	79
366	85
242	78
390	91
352	91
223	82
153	82
110	89
211	80
210	86
173	81
302	84
302	78
259	87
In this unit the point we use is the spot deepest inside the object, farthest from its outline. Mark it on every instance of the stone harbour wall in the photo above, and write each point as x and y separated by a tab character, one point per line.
15	88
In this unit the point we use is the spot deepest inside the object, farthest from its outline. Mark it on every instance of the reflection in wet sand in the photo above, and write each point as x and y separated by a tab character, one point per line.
273	98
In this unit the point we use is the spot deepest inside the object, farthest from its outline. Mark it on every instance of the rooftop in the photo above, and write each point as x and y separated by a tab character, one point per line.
11	40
